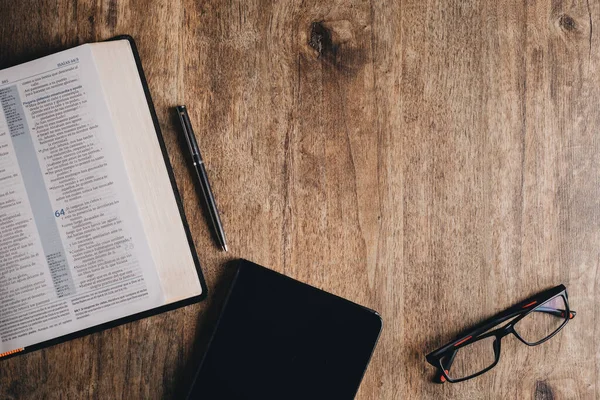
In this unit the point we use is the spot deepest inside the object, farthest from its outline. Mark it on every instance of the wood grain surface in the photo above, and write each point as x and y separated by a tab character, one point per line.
434	160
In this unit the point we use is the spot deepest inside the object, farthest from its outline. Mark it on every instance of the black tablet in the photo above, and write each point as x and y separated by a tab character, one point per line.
278	338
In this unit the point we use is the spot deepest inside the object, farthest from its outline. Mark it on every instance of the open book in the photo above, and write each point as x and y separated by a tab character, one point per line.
92	232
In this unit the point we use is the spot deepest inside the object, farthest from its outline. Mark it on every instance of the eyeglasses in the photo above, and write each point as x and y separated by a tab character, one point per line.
532	321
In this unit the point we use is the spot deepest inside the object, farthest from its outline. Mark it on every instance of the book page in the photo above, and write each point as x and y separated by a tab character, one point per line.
73	252
147	171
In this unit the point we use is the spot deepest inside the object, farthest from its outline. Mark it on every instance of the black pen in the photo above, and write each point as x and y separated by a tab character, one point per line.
201	174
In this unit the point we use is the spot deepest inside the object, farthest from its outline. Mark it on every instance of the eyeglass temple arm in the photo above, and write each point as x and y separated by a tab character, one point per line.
555	311
550	310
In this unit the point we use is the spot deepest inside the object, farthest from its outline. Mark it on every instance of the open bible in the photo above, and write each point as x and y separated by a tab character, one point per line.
92	232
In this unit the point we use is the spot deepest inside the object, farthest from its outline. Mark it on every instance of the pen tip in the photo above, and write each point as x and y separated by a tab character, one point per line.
225	247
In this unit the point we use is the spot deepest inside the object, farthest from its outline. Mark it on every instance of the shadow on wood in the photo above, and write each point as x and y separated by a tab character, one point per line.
205	326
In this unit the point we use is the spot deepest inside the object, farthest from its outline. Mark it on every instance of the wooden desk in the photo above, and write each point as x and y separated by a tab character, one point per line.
434	160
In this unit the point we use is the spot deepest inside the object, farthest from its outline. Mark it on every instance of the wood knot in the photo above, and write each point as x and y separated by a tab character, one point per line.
320	40
338	43
567	23
543	391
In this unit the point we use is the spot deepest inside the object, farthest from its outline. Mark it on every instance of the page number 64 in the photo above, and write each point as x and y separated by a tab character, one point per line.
59	213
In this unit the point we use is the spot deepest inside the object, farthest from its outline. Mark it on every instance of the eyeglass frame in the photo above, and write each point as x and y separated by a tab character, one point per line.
445	354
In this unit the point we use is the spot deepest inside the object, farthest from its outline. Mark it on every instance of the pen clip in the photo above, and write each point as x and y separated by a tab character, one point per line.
188	132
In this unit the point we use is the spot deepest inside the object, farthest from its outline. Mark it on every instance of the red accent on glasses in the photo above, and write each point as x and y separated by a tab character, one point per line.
530	304
464	340
442	377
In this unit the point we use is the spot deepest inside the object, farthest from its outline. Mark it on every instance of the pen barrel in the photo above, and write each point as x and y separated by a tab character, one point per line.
211	205
210	201
197	159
